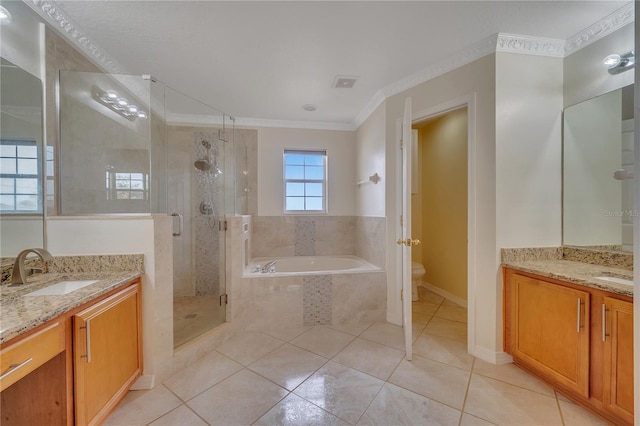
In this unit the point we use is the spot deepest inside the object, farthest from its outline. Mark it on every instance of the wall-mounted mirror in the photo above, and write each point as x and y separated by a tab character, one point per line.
597	172
21	160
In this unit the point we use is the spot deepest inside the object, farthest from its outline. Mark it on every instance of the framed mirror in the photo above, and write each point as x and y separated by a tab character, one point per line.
598	172
21	161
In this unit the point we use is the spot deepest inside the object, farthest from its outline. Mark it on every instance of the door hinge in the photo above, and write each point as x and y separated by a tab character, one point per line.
401	221
224	298
401	294
222	225
401	144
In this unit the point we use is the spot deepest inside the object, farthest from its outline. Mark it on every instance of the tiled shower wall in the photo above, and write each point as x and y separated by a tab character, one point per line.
370	235
278	236
205	222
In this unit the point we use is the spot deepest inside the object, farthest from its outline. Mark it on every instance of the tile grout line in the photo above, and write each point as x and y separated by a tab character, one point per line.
466	393
559	408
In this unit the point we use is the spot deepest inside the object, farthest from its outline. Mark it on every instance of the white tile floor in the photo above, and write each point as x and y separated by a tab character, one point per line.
352	375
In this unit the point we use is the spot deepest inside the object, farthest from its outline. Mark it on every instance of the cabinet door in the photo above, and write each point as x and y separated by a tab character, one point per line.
617	316
107	354
550	331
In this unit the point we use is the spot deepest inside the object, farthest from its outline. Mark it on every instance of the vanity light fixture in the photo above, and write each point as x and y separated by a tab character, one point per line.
616	64
5	16
112	100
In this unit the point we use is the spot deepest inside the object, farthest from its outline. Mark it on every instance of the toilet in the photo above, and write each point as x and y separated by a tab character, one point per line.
417	272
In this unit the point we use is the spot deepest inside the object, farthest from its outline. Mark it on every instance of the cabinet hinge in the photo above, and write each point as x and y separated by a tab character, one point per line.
224	298
401	221
401	294
401	144
222	225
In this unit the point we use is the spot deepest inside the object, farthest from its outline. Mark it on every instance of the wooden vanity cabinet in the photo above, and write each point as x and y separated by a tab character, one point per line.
577	339
617	390
107	354
550	330
86	359
34	378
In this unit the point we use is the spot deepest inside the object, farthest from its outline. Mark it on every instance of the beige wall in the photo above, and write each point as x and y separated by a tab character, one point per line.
370	159
341	153
440	206
475	80
528	150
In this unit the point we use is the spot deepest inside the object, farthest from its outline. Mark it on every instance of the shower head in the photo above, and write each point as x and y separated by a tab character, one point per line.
204	164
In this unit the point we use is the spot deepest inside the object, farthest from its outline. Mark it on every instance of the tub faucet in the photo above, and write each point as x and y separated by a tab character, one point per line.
19	274
269	267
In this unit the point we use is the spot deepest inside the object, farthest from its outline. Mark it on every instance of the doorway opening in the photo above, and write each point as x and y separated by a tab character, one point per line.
467	106
439	216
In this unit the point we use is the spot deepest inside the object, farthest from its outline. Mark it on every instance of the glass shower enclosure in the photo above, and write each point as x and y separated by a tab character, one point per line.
133	146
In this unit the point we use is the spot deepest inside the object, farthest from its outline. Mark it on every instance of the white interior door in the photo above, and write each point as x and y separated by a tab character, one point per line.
406	241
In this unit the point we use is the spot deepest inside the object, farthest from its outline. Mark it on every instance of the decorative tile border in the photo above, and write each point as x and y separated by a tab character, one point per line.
317	300
305	237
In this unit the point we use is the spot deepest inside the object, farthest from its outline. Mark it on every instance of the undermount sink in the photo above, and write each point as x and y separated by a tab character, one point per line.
63	287
615	280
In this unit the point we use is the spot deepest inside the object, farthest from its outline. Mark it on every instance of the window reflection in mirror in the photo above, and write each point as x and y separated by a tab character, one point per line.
21	162
597	166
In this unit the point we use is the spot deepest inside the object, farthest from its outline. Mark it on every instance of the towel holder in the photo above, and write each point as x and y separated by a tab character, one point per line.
375	178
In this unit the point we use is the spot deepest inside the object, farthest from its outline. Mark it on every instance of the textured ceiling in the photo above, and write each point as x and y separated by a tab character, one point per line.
267	59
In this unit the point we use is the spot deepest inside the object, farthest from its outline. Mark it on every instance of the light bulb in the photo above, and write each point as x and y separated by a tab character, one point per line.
5	16
133	109
611	60
112	94
142	114
123	101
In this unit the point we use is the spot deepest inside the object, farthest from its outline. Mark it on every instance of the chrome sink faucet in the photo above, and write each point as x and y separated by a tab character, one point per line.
19	274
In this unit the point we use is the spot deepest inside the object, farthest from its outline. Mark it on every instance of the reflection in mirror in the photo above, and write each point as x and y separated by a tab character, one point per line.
105	139
21	161
597	170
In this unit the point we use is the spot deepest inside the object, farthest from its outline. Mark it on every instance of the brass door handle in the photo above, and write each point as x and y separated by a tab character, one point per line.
408	242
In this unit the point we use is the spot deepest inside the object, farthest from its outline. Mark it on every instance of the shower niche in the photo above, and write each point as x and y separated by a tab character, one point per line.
131	145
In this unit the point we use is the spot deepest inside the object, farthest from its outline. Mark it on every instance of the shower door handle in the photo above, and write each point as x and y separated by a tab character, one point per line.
180	222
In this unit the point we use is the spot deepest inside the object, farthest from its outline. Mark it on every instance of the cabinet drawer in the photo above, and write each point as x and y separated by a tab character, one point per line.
24	356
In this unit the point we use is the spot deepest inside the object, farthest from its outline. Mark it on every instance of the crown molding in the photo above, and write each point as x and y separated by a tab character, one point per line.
601	29
58	19
200	120
510	43
460	58
377	100
529	45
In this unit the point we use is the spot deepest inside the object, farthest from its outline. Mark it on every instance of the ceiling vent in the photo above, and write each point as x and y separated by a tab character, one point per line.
344	82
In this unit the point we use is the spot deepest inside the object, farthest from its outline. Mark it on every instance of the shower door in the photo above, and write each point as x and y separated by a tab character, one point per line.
196	202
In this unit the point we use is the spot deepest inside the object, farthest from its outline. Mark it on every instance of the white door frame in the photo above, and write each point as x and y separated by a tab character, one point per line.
468	101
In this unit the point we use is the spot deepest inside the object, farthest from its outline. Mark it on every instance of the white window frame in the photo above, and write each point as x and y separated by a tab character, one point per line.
319	152
113	190
17	175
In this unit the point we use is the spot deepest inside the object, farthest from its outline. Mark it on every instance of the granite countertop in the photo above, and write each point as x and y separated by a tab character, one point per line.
576	273
19	314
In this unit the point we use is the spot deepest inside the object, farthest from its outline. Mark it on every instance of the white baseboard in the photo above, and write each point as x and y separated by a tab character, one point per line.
437	290
492	357
145	382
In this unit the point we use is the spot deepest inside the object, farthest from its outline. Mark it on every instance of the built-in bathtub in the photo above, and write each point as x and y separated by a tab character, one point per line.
308	265
309	290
